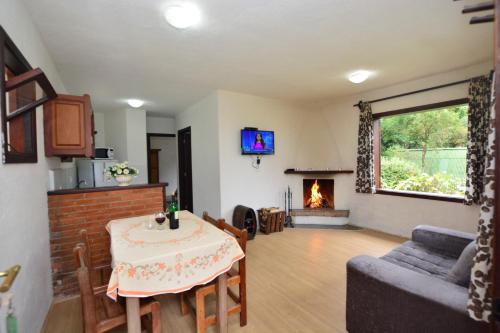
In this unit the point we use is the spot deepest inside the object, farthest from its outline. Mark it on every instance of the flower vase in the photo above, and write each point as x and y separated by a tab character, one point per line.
123	180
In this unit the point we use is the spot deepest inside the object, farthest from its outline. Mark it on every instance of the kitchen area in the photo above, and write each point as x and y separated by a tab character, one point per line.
85	146
83	190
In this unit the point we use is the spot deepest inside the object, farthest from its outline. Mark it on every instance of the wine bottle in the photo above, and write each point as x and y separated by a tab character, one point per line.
174	215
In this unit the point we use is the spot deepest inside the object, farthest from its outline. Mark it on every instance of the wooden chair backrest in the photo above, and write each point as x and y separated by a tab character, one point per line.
84	238
89	308
214	222
240	235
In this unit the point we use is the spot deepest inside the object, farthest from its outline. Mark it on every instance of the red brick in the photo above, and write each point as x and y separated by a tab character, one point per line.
70	213
97	194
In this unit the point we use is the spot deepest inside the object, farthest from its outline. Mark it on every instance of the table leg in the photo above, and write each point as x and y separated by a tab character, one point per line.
133	315
222	303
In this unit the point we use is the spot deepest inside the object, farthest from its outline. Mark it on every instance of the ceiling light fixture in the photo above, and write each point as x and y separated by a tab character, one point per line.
182	16
135	103
359	76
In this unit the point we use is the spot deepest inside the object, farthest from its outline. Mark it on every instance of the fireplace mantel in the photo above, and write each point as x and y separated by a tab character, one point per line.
316	172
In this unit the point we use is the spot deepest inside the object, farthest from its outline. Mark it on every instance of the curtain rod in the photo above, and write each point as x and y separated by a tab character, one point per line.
415	92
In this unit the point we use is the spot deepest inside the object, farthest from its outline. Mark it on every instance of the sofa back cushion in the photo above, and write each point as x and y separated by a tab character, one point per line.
419	258
445	241
460	272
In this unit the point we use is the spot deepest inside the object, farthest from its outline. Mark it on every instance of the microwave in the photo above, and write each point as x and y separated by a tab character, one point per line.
104	153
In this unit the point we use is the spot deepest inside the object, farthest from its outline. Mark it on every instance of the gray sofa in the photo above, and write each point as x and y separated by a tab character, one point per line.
409	290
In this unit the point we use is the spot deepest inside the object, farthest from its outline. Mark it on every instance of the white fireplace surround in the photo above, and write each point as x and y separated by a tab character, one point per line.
320	220
320	216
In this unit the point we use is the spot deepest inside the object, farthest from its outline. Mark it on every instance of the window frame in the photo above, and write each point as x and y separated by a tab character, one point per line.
377	137
12	59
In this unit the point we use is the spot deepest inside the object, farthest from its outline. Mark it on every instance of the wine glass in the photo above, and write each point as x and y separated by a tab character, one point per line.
149	224
160	218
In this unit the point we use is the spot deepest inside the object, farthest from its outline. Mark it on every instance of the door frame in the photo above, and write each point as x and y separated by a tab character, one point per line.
190	171
148	147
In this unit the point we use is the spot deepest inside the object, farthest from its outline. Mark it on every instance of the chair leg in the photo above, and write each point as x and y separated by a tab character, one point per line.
156	317
184	305
147	322
243	303
200	313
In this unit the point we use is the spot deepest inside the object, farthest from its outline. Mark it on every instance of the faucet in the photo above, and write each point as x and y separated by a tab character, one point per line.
81	182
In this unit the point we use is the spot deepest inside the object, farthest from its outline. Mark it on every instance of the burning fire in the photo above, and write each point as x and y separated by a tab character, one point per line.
316	199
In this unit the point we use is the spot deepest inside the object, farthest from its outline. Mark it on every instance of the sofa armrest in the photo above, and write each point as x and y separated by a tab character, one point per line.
443	240
384	297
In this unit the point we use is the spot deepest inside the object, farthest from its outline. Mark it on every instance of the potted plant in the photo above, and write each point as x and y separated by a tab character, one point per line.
122	173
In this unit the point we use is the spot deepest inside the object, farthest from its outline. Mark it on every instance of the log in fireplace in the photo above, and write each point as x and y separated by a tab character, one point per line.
318	193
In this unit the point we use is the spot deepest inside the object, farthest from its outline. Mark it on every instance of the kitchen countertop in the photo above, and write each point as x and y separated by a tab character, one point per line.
105	189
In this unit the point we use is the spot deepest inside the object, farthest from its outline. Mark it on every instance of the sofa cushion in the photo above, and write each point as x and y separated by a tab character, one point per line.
460	272
419	258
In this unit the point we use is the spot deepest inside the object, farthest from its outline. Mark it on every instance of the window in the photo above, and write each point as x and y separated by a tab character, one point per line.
23	89
421	151
20	131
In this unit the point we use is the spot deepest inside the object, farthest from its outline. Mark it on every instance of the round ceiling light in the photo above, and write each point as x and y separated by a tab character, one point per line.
135	103
182	16
359	76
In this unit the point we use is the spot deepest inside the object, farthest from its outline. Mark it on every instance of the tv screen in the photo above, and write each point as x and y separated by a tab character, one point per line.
255	142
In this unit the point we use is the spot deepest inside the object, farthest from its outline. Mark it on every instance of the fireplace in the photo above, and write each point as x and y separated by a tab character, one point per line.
318	193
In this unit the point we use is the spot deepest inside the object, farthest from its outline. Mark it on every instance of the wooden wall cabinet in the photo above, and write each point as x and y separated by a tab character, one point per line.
69	126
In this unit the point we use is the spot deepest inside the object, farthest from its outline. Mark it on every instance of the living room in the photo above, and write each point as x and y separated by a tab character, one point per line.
345	147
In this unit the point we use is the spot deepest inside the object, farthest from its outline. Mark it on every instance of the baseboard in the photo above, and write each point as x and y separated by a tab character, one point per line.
328	226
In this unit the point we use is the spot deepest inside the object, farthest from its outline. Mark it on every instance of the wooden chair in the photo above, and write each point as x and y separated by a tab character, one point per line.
100	313
99	274
214	222
236	277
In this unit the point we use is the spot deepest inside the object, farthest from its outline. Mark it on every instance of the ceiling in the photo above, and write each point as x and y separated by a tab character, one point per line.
289	49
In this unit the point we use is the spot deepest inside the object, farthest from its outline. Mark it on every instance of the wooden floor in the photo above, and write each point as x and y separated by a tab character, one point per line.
296	283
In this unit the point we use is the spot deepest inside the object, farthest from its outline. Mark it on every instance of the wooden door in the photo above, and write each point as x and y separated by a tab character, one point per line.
185	170
68	126
154	166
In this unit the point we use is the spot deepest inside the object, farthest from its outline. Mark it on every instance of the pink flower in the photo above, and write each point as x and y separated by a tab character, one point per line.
131	272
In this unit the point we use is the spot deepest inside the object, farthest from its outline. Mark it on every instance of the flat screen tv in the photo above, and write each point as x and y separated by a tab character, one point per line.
256	142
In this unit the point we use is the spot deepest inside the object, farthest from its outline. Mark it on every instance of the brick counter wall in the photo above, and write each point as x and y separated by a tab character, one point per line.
69	213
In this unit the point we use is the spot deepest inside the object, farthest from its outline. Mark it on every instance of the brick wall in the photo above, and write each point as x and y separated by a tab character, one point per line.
69	213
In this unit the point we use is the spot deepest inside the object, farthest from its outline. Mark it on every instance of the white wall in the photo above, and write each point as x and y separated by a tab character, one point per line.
24	231
115	124
202	117
396	215
167	159
126	132
163	125
100	136
137	154
241	183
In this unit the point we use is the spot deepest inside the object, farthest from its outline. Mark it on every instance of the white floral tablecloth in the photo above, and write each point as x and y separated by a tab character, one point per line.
152	262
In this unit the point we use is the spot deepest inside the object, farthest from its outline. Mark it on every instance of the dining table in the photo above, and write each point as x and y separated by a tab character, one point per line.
149	261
